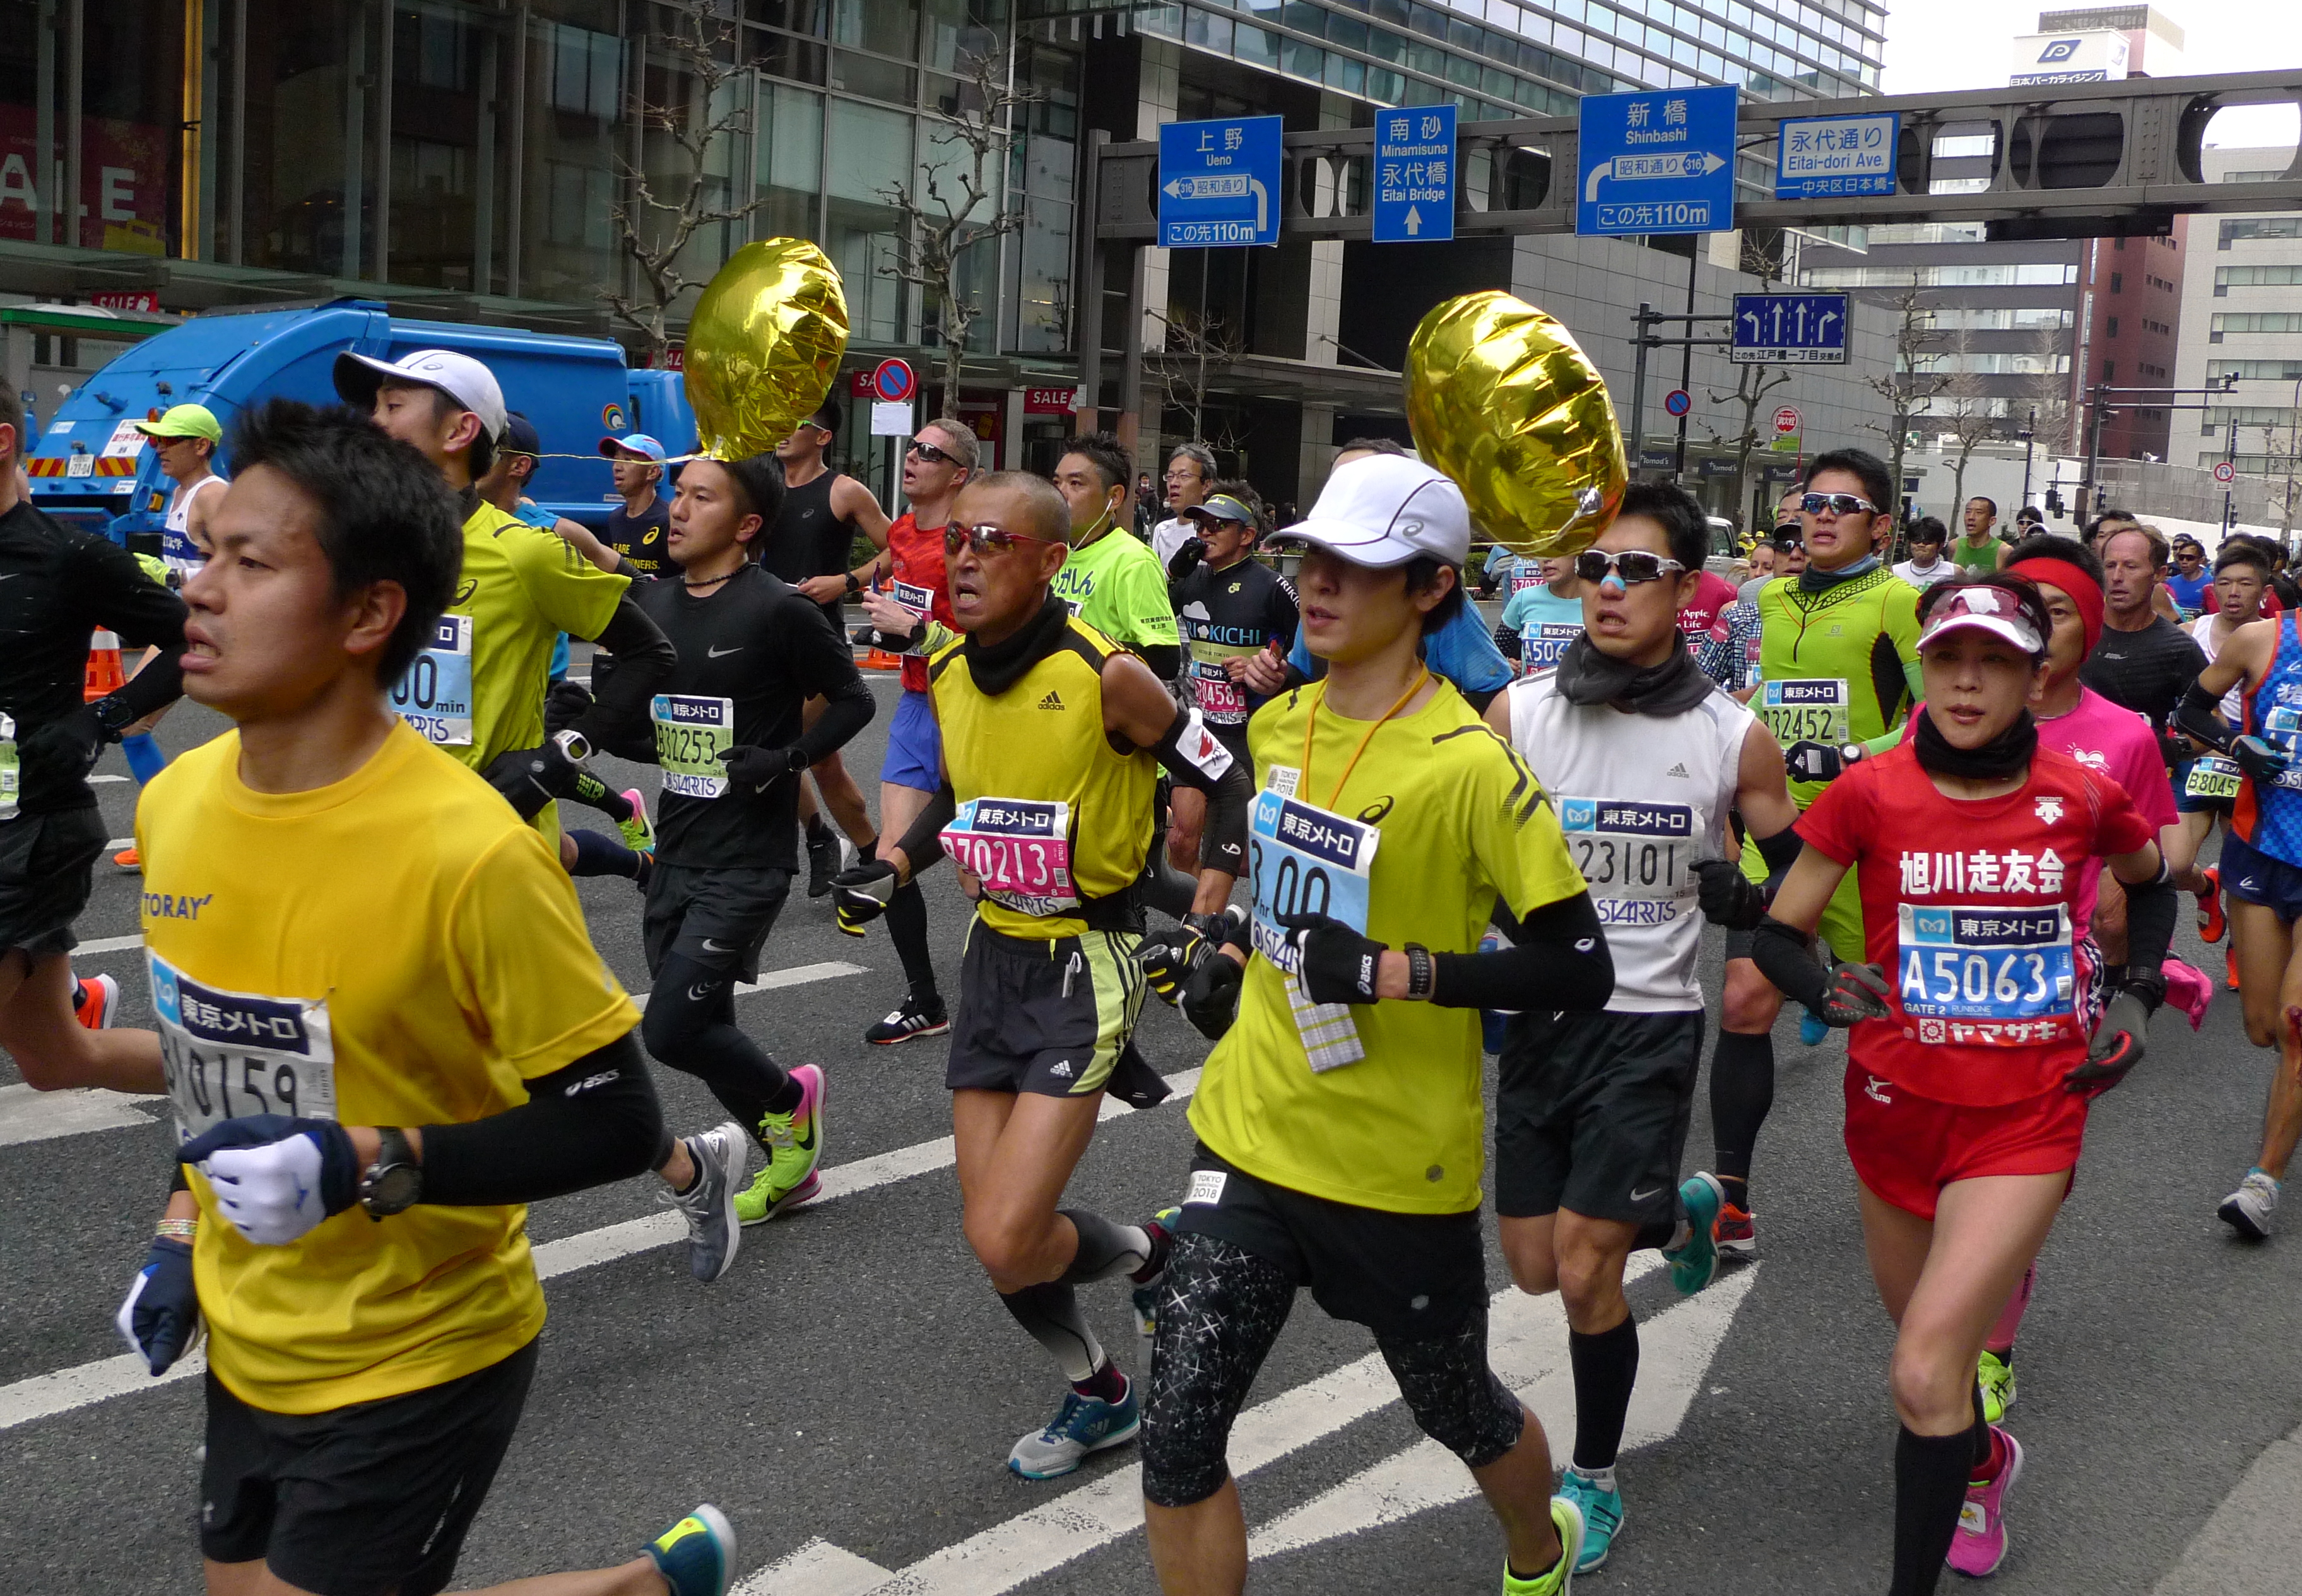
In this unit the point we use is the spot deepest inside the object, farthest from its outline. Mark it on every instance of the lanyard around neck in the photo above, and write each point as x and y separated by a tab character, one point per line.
1311	725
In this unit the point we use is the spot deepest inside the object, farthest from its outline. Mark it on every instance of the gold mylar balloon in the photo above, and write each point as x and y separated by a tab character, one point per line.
763	346
1502	400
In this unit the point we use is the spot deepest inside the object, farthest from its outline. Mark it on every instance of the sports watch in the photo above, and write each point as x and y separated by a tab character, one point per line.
394	1182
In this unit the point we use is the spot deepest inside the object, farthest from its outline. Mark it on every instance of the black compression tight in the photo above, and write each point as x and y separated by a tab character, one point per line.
1742	1092
690	1027
907	929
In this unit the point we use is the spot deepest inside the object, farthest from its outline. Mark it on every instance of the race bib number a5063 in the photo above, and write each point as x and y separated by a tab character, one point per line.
1986	976
229	1054
434	695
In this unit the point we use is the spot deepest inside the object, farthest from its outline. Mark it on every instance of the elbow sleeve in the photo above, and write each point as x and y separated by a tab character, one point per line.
1560	961
1165	658
595	1121
644	661
1779	851
1195	758
2151	910
844	713
923	844
2198	716
1781	955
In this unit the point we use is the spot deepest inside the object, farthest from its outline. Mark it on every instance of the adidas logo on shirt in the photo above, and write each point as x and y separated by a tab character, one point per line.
1679	771
1054	701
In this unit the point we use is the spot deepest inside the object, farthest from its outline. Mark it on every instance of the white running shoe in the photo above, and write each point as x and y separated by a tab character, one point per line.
2248	1210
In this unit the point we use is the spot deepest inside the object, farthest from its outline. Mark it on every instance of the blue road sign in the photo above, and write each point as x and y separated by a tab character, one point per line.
1219	182
1822	155
1790	329
1415	174
1677	402
1662	161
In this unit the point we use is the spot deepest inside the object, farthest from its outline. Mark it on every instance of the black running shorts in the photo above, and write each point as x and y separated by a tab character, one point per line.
1405	1276
717	918
47	865
1590	1113
1055	1017
374	1499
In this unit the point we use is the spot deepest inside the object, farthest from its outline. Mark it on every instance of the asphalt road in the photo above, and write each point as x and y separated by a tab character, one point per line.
849	1391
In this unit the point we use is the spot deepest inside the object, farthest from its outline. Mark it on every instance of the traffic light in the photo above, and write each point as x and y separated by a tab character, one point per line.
2053	501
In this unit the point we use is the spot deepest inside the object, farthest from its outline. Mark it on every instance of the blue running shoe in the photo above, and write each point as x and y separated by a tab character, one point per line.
1692	1266
1161	1228
697	1556
1086	1424
1603	1516
1811	1029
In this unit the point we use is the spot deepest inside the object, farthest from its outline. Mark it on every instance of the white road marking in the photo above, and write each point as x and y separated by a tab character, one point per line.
108	944
118	843
2253	1542
817	1568
43	1395
799	975
107	778
26	1115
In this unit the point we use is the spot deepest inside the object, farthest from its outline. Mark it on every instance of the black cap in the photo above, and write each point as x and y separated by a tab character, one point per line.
1787	536
520	436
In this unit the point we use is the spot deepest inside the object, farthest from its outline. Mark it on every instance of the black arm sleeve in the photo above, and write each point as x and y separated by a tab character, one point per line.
595	1121
1190	753
846	710
1781	955
644	661
1165	658
141	611
159	684
923	844
1558	960
2151	909
1779	851
2197	716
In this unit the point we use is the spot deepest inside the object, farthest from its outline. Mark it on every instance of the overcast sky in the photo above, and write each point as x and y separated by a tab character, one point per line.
1935	44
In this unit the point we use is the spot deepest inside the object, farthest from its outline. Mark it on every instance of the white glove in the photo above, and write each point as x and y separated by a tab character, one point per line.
271	1194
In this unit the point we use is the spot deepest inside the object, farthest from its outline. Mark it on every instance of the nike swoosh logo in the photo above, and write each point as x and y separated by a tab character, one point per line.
711	946
699	993
715	653
1641	1197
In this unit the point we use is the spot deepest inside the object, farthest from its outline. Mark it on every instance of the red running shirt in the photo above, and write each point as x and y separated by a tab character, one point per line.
1713	593
919	566
1970	908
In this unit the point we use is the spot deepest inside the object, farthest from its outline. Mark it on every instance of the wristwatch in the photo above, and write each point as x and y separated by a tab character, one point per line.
394	1182
1853	753
1421	974
854	586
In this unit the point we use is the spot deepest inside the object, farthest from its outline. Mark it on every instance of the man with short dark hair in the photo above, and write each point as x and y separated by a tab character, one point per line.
1113	583
1978	548
1925	567
2144	661
637	527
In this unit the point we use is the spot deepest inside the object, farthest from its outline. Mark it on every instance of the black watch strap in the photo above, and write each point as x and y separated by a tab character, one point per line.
1420	974
391	1184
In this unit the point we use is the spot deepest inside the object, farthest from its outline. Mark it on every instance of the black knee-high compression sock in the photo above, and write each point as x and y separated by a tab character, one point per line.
598	855
689	1025
1050	1314
1606	1366
907	927
1105	1249
1742	1091
1930	1476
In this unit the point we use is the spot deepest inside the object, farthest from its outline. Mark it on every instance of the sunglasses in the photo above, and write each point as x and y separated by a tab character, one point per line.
1630	568
930	453
987	539
1842	504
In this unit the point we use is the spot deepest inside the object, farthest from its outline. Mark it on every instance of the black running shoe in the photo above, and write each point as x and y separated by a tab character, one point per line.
826	858
910	1023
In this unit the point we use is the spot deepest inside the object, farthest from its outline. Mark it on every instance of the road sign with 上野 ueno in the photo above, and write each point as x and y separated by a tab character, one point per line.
1837	155
1790	329
1219	182
893	382
1415	174
1677	401
1657	162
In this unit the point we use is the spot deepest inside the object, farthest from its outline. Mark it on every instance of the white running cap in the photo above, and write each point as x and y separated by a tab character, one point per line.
460	377
1384	510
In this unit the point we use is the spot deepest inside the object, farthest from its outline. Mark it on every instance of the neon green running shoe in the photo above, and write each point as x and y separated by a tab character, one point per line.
1558	1578
1997	1386
793	1142
639	831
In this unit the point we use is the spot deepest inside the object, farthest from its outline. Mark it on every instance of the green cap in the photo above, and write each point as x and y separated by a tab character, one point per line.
184	421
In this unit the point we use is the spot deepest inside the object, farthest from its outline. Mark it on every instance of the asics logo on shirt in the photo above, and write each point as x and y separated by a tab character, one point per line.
702	993
589	1081
465	591
1054	701
711	946
714	653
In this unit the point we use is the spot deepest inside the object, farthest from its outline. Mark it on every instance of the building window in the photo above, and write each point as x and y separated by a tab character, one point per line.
2114	326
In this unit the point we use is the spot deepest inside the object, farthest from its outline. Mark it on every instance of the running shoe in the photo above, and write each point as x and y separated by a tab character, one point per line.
697	1556
2230	966
910	1021
639	831
1691	1266
1601	1507
1811	1029
2212	921
1996	1378
1566	1518
1161	1228
2248	1209
794	1143
95	998
1738	1233
1085	1424
1979	1546
129	859
826	856
708	1205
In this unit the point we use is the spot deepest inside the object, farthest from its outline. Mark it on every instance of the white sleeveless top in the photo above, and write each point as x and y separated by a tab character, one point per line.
1640	798
176	546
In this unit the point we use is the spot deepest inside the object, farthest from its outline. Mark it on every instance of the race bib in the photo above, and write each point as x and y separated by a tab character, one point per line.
1542	648
920	601
2282	729
1752	646
1988	976
1525	574
1019	849
434	695
10	775
228	1055
2213	777
1637	858
1305	860
1811	710
1222	701
691	734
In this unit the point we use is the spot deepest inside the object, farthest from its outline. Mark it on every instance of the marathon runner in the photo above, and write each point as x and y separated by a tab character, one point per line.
638	527
810	546
1190	478
1838	664
1642	756
1970	1067
1340	1137
1111	582
1976	548
420	1029
57	586
731	737
1925	567
1052	738
1541	619
939	460
2145	661
477	691
2192	580
2207	785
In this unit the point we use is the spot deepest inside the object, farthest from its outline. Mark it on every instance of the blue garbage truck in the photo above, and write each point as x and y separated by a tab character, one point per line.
91	467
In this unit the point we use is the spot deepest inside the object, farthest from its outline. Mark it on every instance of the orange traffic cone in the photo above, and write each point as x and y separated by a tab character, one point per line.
881	659
104	675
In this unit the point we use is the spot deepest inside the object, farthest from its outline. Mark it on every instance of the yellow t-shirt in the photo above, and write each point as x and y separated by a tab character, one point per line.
394	949
1460	819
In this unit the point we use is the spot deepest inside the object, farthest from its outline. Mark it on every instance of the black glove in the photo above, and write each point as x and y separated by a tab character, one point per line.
1186	560
1210	998
531	778
160	1316
1169	958
58	756
759	768
1507	642
1856	992
860	894
1814	761
1728	898
1336	963
2116	1048
2258	759
566	703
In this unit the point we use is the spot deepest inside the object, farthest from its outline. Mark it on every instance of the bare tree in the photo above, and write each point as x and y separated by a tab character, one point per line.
1198	350
1963	417
654	226
954	203
1916	378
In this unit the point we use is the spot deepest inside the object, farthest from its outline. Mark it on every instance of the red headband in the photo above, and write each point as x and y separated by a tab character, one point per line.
2085	592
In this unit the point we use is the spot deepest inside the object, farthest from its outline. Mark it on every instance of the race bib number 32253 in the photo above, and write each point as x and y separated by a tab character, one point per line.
229	1054
691	734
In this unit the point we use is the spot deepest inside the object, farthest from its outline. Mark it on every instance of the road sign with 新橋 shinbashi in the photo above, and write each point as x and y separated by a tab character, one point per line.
1657	162
1414	172
1219	182
1790	329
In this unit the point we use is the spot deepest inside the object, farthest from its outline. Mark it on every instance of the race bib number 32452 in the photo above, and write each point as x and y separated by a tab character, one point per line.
1807	710
229	1054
